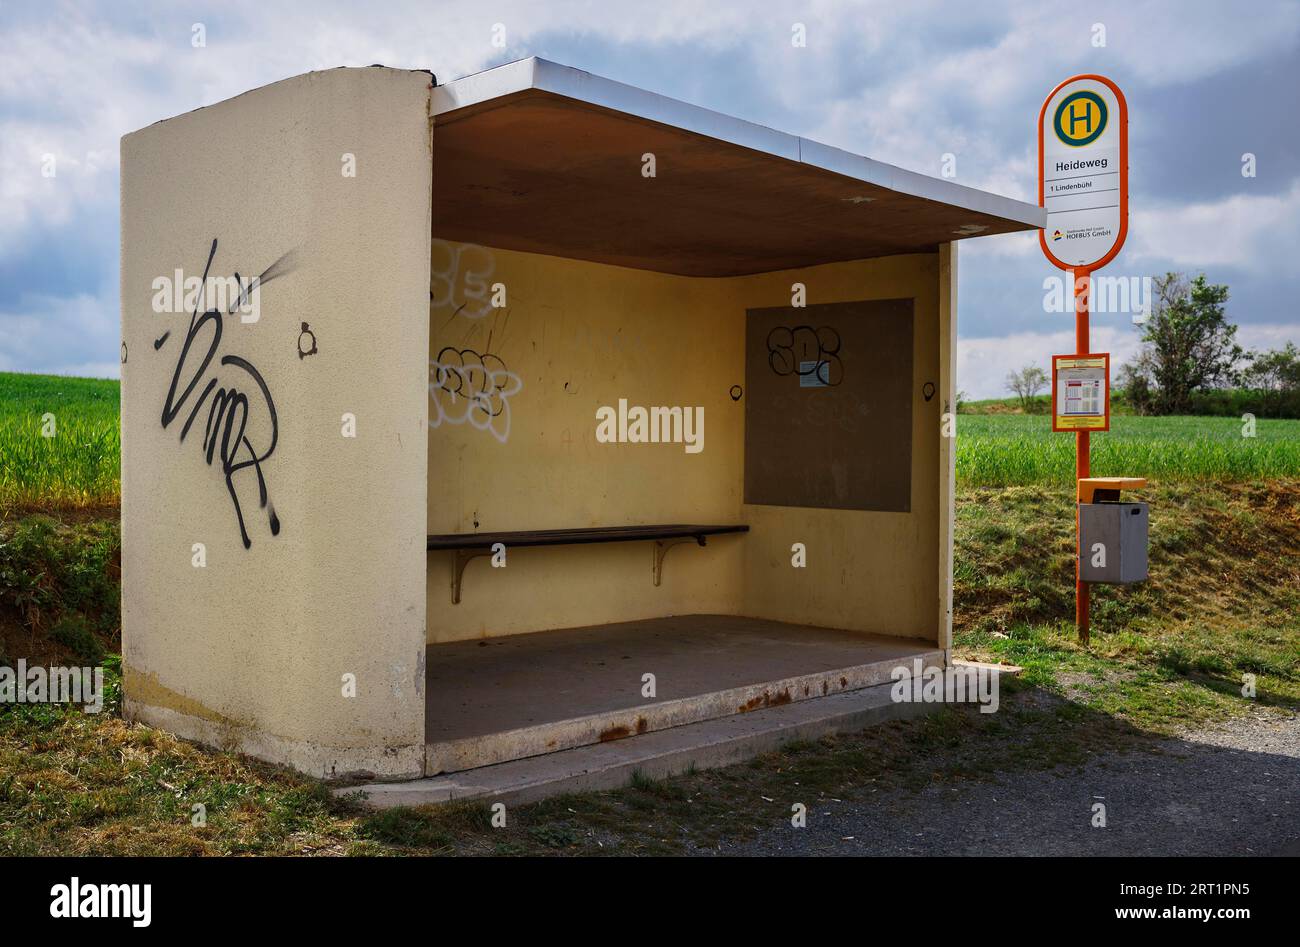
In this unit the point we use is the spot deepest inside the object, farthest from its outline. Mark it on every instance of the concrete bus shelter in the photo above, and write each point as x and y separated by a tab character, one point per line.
454	282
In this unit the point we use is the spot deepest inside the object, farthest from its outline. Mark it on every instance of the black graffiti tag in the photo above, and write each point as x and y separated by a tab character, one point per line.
229	408
467	386
805	351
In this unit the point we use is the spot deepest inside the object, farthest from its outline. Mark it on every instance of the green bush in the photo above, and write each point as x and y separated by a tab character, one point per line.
73	632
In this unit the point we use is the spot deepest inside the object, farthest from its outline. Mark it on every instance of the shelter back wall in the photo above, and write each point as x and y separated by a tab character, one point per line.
867	570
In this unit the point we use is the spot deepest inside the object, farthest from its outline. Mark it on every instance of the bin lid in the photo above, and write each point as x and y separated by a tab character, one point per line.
1088	486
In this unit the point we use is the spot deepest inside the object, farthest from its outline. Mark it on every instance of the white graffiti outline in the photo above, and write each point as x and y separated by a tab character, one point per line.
461	271
465	386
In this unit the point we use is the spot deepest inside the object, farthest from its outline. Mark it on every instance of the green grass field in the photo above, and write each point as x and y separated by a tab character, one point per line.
997	450
79	464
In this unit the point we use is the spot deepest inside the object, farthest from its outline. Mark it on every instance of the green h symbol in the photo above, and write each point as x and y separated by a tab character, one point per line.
1075	117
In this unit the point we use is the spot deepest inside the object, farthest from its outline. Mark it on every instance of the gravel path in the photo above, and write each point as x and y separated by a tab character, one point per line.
1232	790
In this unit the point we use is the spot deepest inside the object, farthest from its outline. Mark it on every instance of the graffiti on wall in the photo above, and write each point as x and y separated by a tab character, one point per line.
812	354
468	388
461	282
235	394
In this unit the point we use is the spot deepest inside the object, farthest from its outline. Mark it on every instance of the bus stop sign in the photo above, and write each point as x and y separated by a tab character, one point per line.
1083	172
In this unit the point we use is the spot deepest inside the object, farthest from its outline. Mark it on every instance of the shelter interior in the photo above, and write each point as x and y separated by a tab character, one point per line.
685	406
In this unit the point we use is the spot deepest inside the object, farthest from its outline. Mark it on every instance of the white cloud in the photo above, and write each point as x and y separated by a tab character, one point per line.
983	364
1257	233
904	83
84	81
54	335
1167	44
963	100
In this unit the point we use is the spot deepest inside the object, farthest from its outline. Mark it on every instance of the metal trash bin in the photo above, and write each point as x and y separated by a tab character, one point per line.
1121	531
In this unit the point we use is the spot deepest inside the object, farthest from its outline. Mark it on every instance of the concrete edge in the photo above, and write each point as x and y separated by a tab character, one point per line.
705	745
452	756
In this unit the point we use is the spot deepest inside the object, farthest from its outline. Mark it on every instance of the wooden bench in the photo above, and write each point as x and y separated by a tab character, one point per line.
468	546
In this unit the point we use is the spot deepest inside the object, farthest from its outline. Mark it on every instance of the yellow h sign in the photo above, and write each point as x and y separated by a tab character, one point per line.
1080	119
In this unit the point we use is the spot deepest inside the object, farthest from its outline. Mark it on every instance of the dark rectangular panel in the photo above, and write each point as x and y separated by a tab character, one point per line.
828	406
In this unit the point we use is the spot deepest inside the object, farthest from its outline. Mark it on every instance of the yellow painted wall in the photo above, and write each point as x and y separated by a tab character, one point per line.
576	335
251	648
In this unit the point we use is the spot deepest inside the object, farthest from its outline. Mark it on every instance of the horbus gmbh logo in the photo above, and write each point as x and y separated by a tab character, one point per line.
1080	119
1057	235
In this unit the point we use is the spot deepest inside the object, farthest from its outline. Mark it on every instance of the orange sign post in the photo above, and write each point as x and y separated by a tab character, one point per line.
1083	186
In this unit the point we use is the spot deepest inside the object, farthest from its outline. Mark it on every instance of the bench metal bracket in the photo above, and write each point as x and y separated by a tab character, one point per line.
462	558
661	548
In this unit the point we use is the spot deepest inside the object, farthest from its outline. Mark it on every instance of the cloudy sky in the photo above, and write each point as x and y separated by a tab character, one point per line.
903	83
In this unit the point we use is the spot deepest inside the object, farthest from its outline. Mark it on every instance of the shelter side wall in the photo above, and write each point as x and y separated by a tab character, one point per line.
247	636
514	393
865	570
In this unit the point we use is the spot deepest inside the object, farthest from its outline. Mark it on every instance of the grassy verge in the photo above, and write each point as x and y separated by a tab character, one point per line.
59	589
1223	601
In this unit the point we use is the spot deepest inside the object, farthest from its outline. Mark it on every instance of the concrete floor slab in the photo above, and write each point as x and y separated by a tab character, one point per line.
703	745
509	698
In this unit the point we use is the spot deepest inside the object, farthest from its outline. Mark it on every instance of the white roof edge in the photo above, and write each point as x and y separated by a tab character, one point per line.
583	86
